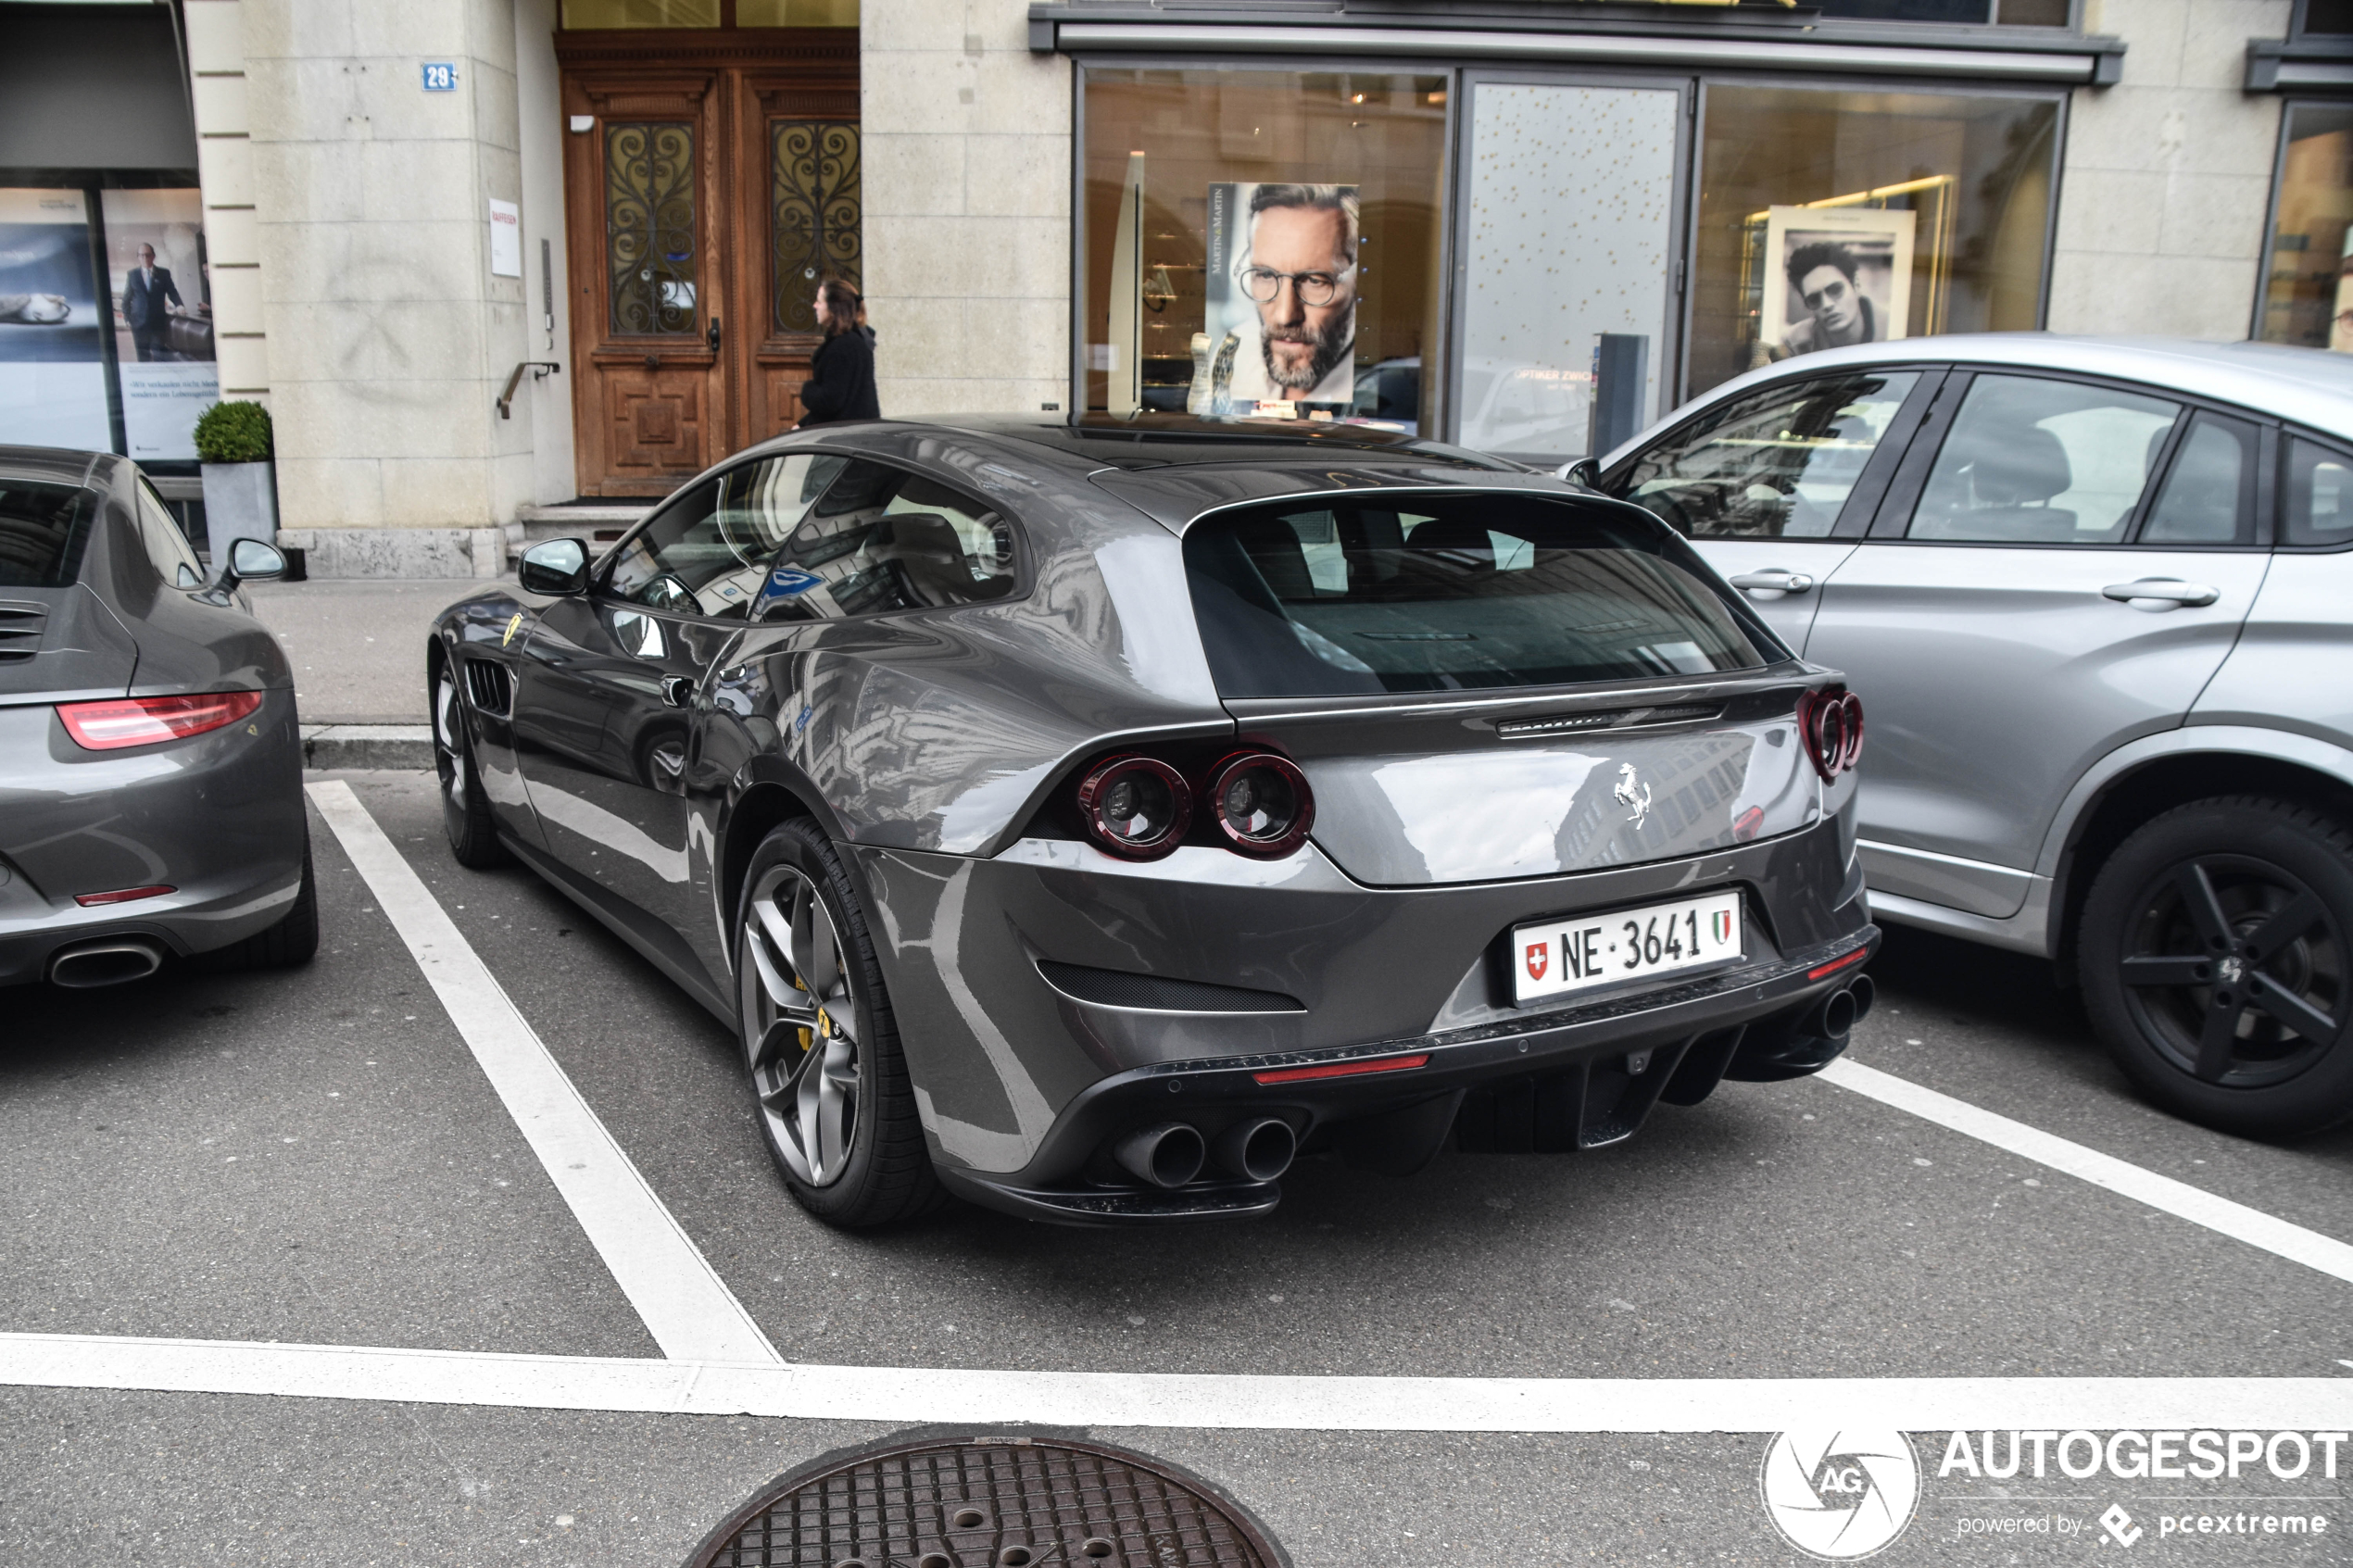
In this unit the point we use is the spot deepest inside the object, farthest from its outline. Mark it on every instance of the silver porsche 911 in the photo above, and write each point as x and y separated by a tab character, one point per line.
1089	816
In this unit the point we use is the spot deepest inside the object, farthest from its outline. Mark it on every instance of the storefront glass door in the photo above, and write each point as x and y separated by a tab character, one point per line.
1564	269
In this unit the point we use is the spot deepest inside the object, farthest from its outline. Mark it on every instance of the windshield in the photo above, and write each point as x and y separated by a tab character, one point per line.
42	531
1451	593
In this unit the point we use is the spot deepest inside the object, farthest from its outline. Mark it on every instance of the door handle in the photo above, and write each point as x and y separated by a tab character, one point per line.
1773	580
711	337
2172	590
676	690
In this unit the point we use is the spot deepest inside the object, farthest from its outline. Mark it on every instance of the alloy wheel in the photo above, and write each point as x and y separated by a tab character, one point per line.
802	1024
2236	971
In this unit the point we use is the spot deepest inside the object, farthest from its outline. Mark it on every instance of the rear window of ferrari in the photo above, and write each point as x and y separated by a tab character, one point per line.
42	529
1424	593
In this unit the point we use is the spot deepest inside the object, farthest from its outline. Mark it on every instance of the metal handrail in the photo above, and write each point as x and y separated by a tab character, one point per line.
541	369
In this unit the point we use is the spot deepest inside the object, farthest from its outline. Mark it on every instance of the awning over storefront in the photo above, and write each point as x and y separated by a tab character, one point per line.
1745	37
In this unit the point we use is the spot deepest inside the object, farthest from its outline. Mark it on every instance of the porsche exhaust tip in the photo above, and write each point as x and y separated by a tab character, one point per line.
1167	1156
1257	1150
109	962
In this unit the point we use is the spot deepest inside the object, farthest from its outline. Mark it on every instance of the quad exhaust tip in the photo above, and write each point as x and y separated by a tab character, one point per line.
109	962
1258	1151
1166	1156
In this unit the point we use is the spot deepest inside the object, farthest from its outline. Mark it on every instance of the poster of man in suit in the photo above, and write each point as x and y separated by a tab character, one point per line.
162	318
147	294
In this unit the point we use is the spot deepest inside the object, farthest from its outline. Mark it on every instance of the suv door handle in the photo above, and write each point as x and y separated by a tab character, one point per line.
675	689
1773	580
2170	589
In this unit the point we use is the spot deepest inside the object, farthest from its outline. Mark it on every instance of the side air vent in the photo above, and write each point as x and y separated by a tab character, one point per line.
21	626
489	685
1152	993
1613	719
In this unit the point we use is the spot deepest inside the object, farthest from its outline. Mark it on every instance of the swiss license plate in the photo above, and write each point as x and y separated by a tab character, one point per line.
1583	952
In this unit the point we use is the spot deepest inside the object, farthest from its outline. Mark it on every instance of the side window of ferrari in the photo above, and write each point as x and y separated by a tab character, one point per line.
175	558
882	539
708	552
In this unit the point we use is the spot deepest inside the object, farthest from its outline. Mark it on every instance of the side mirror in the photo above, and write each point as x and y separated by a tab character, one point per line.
555	566
250	560
1584	471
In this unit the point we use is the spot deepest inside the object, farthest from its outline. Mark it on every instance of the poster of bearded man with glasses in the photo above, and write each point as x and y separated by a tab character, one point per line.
1282	318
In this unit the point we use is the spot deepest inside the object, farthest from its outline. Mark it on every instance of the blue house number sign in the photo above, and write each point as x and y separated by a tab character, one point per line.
440	77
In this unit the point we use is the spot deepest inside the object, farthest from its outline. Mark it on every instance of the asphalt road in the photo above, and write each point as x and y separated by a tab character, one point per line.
314	1157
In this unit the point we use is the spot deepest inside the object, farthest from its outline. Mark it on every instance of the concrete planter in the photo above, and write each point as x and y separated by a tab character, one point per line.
240	502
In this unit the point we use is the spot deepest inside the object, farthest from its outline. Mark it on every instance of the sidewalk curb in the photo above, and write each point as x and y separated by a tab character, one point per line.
406	747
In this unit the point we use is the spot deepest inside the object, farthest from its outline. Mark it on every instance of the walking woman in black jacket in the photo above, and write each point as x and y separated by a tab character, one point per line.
841	385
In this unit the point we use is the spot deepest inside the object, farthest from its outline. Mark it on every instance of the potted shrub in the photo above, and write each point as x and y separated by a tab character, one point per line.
240	488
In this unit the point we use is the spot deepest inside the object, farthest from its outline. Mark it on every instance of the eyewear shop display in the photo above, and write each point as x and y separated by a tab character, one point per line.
1271	243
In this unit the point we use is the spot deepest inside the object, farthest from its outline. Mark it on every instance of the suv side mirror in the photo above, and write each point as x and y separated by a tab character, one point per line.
1584	471
250	560
555	566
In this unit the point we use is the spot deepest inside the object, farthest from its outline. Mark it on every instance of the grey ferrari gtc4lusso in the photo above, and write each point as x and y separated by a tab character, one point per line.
150	763
1087	816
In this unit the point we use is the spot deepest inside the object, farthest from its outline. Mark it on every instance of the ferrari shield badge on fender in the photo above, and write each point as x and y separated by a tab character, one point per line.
513	626
1539	953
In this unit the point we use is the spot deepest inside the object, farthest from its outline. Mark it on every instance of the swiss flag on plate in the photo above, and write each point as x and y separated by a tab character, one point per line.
1539	953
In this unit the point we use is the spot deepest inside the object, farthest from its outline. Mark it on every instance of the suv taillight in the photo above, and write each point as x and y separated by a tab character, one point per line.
1829	722
1140	808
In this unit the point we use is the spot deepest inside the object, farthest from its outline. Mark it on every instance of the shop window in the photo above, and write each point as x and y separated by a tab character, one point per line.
1957	13
2304	301
1262	242
2323	18
1831	217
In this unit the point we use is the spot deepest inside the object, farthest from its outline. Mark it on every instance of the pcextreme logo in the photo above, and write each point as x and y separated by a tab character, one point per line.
1840	1496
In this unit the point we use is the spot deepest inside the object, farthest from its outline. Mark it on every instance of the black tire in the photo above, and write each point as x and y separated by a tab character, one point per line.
2215	963
465	811
841	1068
294	940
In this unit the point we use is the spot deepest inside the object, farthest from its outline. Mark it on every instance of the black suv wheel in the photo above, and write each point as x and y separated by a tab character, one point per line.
2215	965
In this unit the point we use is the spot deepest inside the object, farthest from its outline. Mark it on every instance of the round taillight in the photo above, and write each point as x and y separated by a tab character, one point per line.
1261	802
1135	806
1829	722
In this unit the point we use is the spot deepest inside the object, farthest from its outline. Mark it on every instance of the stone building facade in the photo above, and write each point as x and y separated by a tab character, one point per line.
441	390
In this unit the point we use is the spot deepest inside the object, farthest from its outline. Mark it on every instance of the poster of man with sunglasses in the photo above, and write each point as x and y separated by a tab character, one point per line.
1281	317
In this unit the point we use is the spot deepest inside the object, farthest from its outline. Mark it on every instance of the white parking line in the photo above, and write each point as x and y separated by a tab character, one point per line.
2179	1199
1180	1400
686	1308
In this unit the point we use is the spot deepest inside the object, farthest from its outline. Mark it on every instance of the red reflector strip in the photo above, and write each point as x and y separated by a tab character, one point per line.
119	895
1857	956
143	721
1343	1069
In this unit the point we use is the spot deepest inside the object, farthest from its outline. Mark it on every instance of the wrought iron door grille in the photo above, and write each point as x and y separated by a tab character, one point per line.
650	238
989	1502
814	211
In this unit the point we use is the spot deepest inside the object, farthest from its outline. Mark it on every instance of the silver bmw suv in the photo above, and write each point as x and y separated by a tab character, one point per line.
2096	595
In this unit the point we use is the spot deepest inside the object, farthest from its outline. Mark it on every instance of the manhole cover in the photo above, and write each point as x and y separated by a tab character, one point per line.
988	1502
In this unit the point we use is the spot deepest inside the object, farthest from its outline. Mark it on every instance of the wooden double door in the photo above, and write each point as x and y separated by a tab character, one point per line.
710	179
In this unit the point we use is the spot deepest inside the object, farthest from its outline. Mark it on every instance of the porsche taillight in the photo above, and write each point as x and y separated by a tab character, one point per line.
1829	726
125	722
